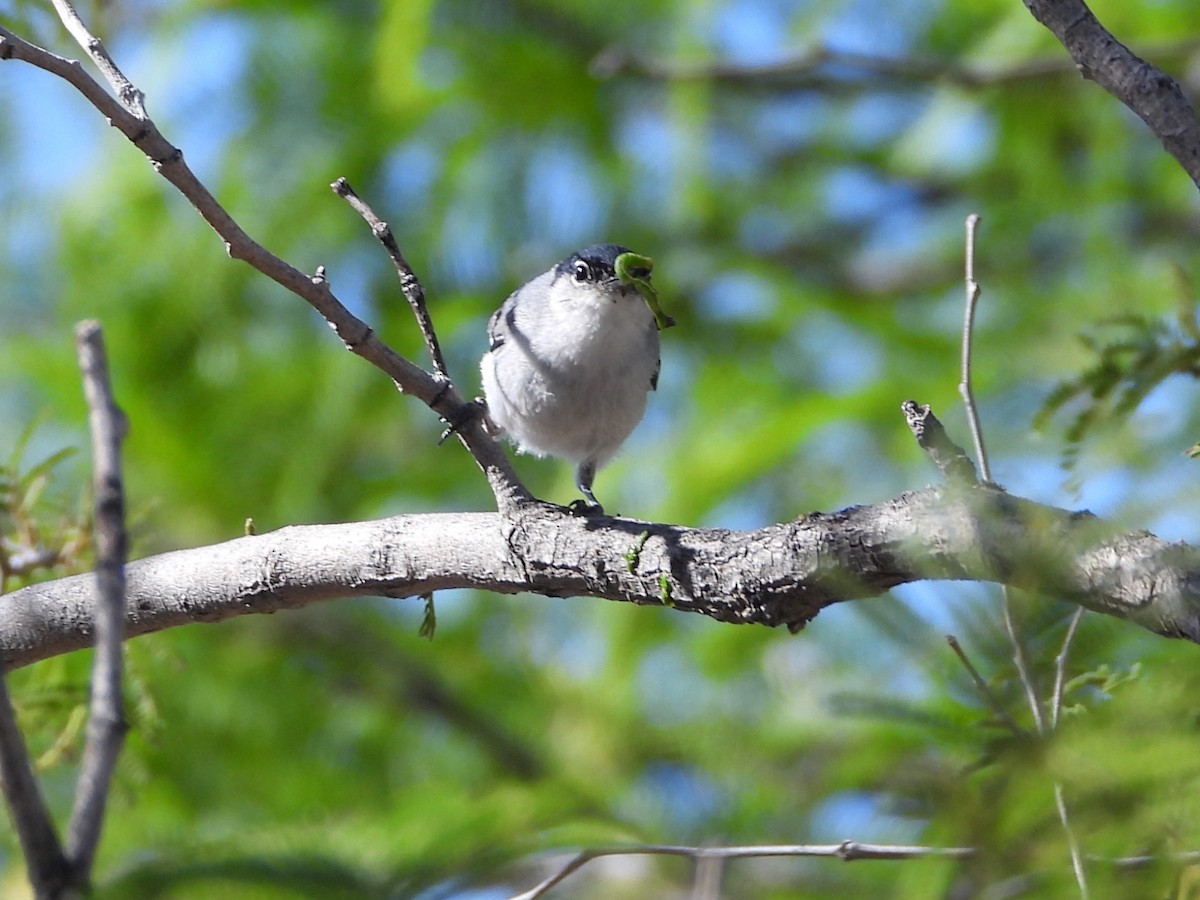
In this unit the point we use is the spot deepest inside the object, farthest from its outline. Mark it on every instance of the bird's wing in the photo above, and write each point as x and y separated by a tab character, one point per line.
652	340
500	323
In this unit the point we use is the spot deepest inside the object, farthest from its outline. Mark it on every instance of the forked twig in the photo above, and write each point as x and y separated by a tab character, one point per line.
985	689
966	389
1020	660
847	851
129	117
409	285
51	870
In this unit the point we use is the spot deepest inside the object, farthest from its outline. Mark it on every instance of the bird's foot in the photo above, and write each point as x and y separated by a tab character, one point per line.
585	509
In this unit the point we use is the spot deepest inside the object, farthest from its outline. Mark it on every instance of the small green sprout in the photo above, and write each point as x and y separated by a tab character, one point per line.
634	554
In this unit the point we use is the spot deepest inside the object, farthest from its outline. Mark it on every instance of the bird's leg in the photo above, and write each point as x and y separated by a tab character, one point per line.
584	476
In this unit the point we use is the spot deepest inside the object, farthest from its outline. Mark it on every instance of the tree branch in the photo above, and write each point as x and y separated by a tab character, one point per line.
409	285
823	68
45	861
1153	95
846	851
434	390
780	575
952	461
966	387
106	722
985	690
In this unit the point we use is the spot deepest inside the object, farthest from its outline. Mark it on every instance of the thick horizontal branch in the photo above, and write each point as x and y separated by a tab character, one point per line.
780	575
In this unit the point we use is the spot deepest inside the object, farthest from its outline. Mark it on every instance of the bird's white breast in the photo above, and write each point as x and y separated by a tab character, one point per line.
571	379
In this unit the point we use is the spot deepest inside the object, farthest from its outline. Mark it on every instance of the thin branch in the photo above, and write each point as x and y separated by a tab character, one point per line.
1060	668
952	461
106	724
847	851
1151	93
1021	662
985	689
1188	857
966	389
1060	674
355	334
409	285
1072	843
131	98
49	871
707	876
964	385
16	560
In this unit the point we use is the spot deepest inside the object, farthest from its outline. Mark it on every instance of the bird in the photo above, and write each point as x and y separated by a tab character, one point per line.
572	357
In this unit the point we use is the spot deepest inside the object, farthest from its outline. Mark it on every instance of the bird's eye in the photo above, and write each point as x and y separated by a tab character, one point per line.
582	272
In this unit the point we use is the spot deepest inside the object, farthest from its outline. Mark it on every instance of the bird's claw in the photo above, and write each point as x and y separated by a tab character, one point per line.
584	509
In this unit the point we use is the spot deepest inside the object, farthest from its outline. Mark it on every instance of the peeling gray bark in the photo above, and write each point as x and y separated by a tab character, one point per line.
779	575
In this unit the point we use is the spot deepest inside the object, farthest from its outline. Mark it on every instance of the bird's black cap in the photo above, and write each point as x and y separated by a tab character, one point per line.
601	258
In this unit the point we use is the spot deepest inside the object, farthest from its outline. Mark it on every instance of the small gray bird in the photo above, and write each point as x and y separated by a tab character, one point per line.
573	354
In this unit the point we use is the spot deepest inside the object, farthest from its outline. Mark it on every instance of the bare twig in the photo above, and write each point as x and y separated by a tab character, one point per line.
355	334
49	871
1072	843
1060	674
409	285
1151	93
707	877
1020	660
1060	668
966	389
964	385
106	724
131	98
985	689
17	560
847	851
951	460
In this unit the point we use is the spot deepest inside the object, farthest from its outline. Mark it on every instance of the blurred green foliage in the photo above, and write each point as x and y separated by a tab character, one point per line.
807	233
